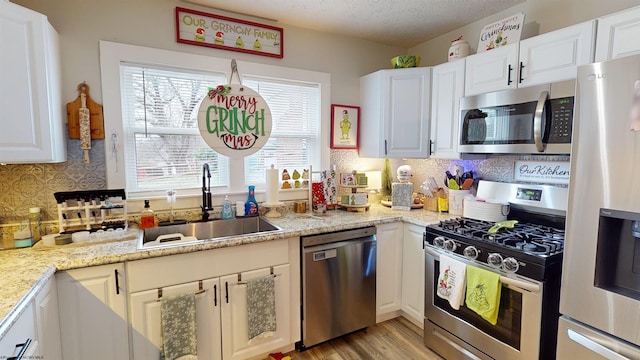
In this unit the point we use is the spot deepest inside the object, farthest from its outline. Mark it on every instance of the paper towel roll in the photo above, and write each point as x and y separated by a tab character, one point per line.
273	185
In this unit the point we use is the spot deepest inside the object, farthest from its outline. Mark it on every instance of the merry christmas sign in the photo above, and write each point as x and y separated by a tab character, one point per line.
500	33
234	120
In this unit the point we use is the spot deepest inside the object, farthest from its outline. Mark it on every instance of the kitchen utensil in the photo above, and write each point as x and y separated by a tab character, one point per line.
507	224
453	185
95	112
85	127
466	184
433	184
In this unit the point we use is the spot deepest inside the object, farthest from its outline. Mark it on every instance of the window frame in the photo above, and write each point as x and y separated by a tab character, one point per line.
112	55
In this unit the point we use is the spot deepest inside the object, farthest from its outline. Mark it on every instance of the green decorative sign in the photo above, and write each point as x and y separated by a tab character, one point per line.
234	120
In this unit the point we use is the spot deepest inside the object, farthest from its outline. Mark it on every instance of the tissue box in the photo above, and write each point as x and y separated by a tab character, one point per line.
401	196
354	199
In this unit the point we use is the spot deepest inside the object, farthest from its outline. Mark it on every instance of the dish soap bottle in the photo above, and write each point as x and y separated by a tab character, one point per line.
147	217
227	212
251	207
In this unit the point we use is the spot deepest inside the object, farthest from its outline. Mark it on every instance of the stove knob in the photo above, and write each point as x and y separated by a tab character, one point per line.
439	242
510	264
471	252
494	260
450	245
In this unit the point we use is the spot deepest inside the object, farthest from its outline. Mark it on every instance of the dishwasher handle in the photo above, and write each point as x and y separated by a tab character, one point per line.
334	245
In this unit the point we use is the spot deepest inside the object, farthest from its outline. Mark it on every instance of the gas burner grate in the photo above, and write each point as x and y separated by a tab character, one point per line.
528	238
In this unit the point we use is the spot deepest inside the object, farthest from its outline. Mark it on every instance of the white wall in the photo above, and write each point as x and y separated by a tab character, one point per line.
82	23
541	16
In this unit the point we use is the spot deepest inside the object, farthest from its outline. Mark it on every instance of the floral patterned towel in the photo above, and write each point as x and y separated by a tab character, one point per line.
261	304
178	326
452	281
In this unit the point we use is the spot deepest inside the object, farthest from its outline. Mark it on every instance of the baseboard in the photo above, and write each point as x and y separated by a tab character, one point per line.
419	323
388	316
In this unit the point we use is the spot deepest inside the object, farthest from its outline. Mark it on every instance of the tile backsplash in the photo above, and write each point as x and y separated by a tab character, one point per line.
33	185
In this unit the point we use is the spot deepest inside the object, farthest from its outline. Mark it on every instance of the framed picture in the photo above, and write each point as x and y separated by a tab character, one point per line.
221	32
344	126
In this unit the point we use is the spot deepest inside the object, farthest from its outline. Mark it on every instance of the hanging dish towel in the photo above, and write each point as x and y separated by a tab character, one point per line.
261	304
178	326
483	293
451	281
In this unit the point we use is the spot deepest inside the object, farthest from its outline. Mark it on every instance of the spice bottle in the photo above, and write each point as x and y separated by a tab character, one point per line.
147	217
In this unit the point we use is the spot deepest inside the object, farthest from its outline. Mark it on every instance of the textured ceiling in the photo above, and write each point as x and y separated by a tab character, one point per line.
402	23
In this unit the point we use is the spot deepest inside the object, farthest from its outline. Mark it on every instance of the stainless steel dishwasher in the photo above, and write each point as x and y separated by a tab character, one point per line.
338	284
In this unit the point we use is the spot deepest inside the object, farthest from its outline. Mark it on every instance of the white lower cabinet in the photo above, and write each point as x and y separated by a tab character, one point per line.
93	313
21	334
146	324
221	311
235	329
388	270
47	322
413	274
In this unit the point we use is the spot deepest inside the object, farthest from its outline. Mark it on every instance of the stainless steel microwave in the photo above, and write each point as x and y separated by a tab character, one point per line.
532	120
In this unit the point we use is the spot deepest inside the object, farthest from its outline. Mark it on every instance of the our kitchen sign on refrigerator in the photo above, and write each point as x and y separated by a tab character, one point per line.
234	120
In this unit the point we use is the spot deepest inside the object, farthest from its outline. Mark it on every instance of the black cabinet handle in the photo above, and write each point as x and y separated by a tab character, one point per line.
431	143
424	239
226	291
117	282
509	81
385	147
23	349
520	76
215	295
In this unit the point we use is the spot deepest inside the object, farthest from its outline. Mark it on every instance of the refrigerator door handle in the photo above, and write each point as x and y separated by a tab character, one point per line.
594	346
537	121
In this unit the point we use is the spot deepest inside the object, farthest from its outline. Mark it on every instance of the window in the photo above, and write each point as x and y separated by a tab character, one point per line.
154	141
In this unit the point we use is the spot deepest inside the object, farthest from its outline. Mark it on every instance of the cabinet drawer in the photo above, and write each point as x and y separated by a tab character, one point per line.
183	268
21	330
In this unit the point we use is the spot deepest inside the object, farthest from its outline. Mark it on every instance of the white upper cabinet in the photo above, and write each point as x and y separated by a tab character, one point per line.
395	110
618	35
555	56
492	70
549	57
30	98
447	89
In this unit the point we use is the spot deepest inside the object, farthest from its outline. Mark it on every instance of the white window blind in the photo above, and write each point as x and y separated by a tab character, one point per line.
165	150
295	136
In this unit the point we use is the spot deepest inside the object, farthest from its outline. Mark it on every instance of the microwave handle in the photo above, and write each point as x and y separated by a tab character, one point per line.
537	121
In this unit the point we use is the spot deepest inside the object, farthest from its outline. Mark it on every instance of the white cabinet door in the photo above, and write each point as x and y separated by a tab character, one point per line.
146	324
47	322
395	112
413	273
493	70
409	109
618	35
446	91
30	98
555	56
389	270
93	312
235	328
23	329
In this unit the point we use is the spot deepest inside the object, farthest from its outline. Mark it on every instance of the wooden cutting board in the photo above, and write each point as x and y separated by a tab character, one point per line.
95	111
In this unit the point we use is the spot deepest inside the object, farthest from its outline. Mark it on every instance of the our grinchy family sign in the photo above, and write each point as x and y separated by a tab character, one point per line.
234	120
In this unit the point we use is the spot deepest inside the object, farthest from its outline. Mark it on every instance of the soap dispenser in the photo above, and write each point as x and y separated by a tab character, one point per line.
227	212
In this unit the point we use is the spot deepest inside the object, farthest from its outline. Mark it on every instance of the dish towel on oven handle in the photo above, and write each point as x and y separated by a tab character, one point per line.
483	293
451	281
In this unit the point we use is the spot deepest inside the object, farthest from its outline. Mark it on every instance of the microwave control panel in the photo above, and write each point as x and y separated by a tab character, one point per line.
561	120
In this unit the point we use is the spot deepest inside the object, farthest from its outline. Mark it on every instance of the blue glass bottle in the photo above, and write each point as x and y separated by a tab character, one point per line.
251	207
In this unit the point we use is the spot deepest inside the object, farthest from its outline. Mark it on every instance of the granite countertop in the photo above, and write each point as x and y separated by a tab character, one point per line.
26	270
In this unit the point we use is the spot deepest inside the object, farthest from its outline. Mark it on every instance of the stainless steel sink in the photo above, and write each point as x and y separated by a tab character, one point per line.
198	232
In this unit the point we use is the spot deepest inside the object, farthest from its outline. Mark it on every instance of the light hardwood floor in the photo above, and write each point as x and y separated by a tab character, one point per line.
393	339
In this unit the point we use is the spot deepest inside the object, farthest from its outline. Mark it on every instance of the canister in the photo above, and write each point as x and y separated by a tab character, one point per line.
459	48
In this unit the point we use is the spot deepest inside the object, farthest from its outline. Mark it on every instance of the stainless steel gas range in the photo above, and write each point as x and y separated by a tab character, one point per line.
528	259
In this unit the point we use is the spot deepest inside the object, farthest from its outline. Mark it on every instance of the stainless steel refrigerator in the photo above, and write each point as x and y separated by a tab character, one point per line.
600	297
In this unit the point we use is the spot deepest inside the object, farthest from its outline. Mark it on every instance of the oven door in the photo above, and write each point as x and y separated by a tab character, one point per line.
462	334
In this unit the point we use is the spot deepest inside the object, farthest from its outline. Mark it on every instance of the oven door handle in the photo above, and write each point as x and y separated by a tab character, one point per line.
531	287
594	346
537	121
